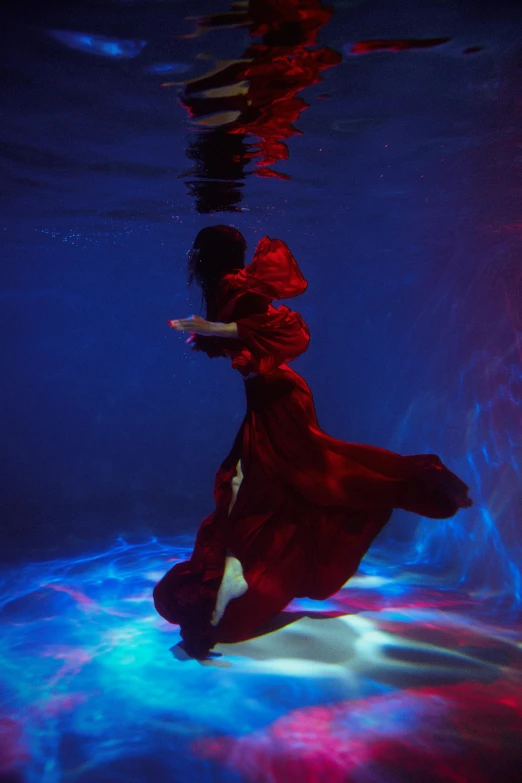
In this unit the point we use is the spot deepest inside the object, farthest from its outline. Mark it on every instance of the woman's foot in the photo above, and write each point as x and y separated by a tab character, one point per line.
233	585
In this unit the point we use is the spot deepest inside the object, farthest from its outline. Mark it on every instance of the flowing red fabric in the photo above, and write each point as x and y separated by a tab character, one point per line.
309	505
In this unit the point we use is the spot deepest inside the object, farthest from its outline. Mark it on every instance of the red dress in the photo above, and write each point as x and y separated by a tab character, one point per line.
309	505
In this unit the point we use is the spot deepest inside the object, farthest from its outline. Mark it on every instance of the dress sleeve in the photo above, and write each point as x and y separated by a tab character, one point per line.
273	273
212	346
269	340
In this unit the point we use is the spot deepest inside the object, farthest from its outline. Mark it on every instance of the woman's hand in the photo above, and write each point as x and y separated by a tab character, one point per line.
197	325
194	324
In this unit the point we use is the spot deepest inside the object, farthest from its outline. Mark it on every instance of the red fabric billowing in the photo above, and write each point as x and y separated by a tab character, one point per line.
268	336
309	505
273	274
270	339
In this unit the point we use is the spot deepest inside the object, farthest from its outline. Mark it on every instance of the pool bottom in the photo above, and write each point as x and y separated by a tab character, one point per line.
396	678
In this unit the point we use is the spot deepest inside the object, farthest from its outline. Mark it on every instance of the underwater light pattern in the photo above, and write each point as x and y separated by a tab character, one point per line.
101	45
387	680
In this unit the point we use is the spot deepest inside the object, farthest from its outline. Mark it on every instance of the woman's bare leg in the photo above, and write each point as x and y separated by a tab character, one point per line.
236	483
233	584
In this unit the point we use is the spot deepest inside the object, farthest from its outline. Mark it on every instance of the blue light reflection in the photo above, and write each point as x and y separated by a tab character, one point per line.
163	68
101	45
91	689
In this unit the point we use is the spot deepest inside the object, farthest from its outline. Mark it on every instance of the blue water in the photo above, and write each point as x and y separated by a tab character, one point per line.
401	205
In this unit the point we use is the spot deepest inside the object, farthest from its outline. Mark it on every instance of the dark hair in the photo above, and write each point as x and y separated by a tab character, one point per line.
217	250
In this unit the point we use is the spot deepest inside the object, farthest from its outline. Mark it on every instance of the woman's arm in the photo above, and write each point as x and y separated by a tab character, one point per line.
198	325
225	330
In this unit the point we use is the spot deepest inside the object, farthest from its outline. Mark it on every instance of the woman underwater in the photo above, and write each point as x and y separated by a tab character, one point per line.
296	510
